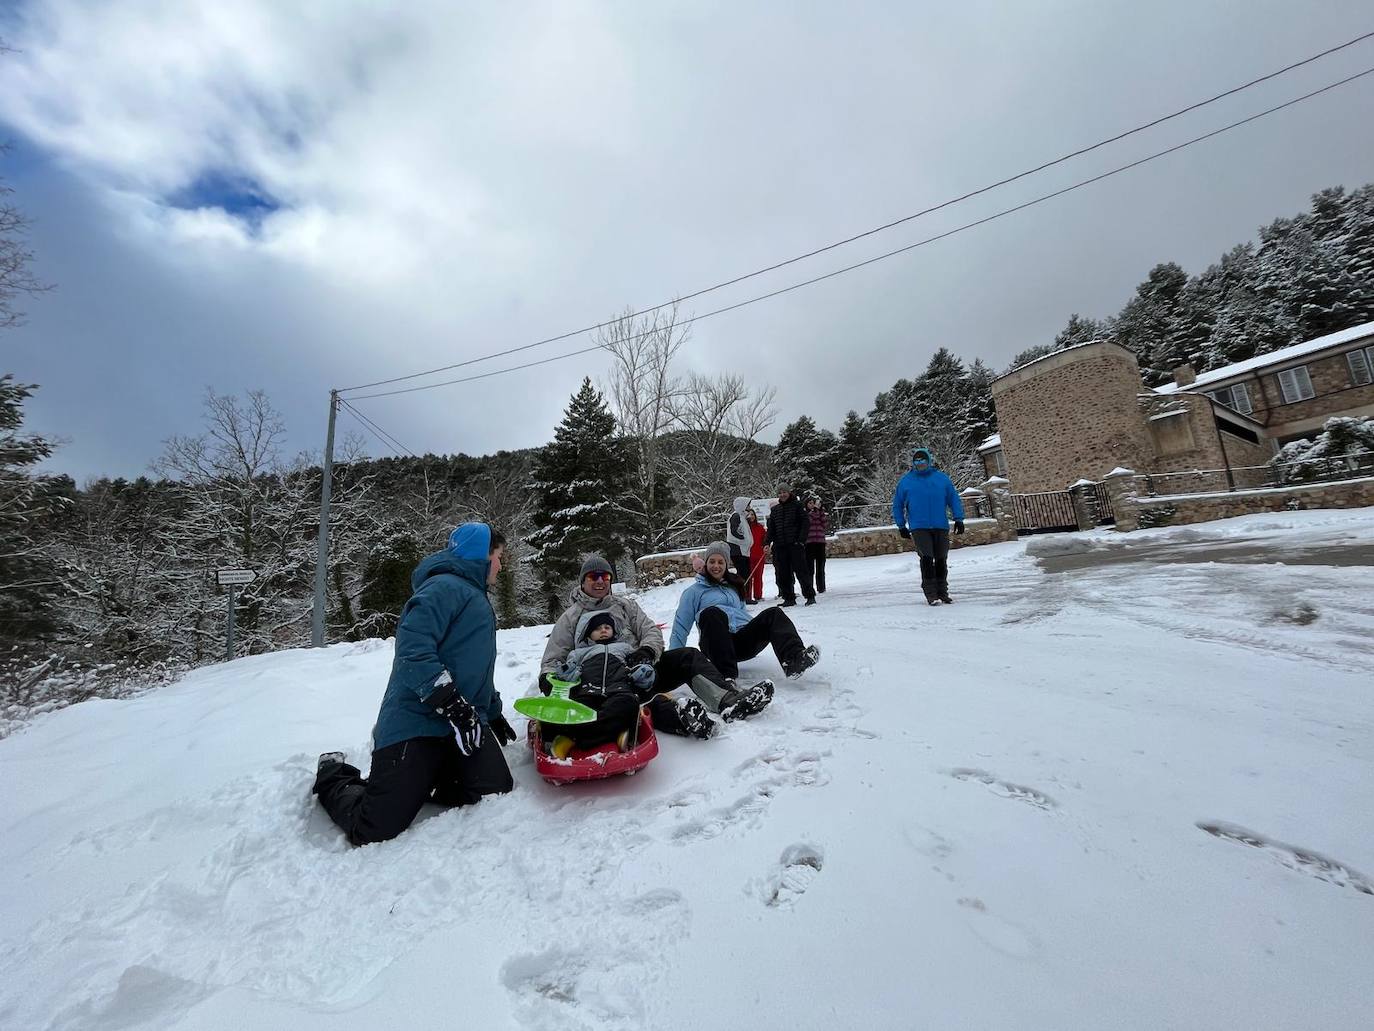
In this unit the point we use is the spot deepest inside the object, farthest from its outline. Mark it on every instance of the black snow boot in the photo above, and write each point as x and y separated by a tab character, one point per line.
742	702
808	658
329	759
943	595
695	718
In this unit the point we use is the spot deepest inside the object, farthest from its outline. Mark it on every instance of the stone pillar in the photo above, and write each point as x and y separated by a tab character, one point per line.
973	500
1084	504
1121	489
1000	505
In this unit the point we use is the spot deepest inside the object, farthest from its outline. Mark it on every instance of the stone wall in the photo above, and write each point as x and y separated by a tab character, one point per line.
1181	509
1070	415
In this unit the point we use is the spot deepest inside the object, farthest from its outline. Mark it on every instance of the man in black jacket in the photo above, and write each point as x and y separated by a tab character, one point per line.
787	526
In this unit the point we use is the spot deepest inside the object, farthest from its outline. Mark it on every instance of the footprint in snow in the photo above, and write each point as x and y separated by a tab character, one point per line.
798	868
1005	788
1295	857
997	934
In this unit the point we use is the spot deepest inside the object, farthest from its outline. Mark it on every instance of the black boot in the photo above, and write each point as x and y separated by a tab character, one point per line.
943	594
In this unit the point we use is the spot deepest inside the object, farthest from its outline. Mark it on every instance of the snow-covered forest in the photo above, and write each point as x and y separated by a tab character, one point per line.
114	577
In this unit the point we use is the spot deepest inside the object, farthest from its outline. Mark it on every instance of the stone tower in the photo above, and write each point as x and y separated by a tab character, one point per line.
1072	415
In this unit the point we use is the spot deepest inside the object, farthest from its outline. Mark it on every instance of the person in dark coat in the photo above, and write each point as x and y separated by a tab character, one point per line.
818	526
921	505
439	733
787	529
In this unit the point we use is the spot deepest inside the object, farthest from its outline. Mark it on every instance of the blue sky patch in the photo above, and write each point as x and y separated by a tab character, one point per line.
237	195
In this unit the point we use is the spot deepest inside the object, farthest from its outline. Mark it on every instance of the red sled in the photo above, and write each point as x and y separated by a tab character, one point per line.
594	763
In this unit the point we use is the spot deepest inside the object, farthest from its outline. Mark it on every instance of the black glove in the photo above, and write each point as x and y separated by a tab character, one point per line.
904	532
639	657
958	526
545	683
501	727
448	703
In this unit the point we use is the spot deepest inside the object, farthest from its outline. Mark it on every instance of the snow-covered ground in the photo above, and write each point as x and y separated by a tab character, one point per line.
1133	793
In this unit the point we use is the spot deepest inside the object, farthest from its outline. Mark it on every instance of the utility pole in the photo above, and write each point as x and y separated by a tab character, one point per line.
322	558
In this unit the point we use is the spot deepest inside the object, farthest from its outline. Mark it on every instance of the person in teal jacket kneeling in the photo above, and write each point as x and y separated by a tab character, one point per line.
439	733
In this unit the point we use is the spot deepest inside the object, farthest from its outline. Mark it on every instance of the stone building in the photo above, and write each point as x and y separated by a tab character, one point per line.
1079	413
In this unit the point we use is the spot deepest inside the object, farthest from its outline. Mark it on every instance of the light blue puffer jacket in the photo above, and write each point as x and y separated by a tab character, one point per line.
705	594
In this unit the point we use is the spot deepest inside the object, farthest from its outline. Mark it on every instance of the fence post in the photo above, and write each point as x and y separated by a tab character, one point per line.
1000	505
1084	500
1120	485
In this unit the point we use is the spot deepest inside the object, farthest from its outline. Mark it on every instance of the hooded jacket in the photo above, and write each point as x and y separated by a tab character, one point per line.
704	594
737	533
921	498
632	626
600	666
448	624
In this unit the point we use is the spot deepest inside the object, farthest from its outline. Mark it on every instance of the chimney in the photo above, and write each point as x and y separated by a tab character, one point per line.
1185	375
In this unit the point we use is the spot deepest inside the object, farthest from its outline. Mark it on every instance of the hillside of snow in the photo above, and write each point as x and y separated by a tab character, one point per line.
1124	782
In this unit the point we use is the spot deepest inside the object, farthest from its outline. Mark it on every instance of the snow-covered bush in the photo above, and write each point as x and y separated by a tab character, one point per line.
1344	446
29	689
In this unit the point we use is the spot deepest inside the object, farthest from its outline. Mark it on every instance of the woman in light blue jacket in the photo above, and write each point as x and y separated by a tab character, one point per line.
715	603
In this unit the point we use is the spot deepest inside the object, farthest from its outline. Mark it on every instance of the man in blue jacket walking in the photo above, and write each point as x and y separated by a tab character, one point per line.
439	733
919	507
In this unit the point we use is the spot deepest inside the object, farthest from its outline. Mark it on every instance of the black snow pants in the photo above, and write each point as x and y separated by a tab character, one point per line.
815	564
726	648
616	712
743	568
405	776
933	547
690	667
789	560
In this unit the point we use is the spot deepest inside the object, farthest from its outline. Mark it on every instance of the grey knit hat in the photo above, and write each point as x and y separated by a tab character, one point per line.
594	564
718	548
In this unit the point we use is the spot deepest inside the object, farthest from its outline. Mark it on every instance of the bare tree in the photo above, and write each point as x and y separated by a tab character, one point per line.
16	276
715	455
643	392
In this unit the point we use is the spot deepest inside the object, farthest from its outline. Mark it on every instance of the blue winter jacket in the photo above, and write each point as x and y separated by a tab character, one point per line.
447	624
705	594
921	499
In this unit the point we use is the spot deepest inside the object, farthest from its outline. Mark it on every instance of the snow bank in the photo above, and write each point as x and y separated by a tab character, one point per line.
1031	809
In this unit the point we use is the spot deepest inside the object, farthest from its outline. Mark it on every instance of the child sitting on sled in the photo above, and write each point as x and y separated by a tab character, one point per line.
597	664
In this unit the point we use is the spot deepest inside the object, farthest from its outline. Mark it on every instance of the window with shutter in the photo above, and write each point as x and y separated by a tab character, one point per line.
1295	384
1236	398
1361	366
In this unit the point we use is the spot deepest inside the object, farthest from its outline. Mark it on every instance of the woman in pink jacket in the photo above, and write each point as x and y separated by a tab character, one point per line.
818	528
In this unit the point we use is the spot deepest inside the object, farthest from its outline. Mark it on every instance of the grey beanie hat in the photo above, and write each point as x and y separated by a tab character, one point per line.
594	564
718	548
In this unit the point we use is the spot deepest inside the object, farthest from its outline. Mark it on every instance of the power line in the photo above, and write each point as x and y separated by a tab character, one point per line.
381	434
877	229
900	250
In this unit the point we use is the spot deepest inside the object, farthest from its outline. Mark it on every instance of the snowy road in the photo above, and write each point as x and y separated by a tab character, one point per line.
1125	794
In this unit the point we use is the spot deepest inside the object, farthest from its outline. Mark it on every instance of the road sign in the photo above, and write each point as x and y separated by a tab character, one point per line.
235	576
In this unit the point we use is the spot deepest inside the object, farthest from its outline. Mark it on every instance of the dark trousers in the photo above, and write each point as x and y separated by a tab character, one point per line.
726	648
745	573
615	713
679	667
933	547
405	776
815	564
789	560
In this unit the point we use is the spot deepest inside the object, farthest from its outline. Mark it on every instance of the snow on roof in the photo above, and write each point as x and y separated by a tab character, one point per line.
994	441
1283	354
1169	414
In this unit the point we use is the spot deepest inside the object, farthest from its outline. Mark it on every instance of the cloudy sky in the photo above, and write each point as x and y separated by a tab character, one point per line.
309	195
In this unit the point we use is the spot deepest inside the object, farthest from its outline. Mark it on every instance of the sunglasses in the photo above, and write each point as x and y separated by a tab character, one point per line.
598	577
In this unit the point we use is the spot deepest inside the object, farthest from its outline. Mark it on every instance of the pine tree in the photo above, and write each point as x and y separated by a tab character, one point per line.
580	480
808	458
30	585
855	460
386	579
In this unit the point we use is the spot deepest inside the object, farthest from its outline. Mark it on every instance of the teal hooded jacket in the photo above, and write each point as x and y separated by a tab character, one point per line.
448	624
